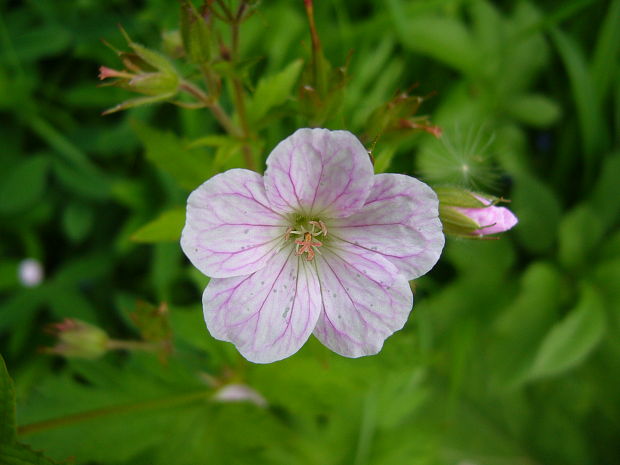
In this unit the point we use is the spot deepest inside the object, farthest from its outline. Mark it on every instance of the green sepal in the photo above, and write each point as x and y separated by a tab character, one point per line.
152	58
455	197
195	34
155	84
456	223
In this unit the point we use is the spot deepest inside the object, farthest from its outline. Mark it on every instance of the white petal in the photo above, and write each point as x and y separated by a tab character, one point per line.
365	300
318	173
230	229
269	314
399	220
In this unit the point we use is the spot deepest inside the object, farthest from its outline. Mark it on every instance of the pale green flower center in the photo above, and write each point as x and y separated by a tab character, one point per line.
305	233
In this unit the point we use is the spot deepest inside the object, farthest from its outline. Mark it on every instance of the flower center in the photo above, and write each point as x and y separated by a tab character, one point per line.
307	242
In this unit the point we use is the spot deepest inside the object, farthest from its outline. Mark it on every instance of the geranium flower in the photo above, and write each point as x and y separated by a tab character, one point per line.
319	245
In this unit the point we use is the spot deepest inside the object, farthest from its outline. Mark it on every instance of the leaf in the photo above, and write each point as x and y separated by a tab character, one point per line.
19	454
606	51
166	151
571	340
593	133
580	231
522	325
144	413
77	220
7	406
273	91
24	185
539	212
165	228
443	38
535	110
34	43
605	197
83	182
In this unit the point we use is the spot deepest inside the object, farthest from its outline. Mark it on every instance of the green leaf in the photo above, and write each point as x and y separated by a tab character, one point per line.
593	133
19	454
82	181
522	325
24	185
443	38
580	231
77	220
606	51
166	151
34	43
273	91
165	228
571	340
538	210
7	406
605	197
535	110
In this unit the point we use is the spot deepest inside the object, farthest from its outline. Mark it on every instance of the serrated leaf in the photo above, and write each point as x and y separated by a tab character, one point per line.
166	151
19	454
23	185
571	340
165	228
7	406
273	91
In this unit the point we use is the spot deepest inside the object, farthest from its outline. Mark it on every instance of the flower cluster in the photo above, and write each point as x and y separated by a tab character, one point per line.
319	245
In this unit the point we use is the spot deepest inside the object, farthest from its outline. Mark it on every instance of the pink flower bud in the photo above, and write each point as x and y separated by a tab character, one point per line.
30	272
105	72
78	339
239	393
491	219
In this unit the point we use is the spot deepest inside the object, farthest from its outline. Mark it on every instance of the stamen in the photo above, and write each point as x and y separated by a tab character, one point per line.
318	224
307	246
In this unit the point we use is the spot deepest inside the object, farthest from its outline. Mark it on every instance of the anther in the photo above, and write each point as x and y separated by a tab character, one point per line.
307	246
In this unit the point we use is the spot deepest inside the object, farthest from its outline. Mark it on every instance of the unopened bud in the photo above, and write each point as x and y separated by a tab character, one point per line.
78	339
467	214
239	393
30	272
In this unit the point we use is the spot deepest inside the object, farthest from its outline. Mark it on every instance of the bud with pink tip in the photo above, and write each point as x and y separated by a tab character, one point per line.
78	339
467	214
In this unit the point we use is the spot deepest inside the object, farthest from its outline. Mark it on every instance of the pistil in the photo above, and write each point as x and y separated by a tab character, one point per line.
307	244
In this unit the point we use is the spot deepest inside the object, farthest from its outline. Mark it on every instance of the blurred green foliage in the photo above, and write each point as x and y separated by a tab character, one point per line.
512	352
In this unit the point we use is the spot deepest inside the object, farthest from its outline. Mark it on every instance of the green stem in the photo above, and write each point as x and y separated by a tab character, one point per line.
115	344
317	59
239	94
215	108
115	410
